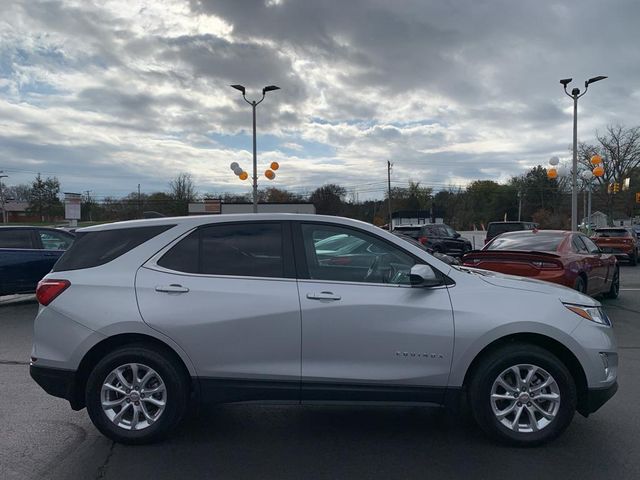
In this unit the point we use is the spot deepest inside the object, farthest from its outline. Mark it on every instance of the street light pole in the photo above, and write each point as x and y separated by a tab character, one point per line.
254	104
575	94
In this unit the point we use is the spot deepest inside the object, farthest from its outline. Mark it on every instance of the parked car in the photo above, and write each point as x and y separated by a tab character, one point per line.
566	258
437	237
27	254
141	319
620	241
440	256
496	228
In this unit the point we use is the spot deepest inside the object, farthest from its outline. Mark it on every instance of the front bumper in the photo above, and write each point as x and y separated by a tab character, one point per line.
596	397
57	382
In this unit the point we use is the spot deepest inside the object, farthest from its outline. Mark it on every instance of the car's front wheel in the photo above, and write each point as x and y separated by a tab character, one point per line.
136	395
522	394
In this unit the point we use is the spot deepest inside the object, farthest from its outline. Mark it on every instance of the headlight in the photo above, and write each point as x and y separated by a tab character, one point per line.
595	314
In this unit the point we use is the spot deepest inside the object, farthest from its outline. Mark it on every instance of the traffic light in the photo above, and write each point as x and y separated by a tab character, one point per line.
637	197
616	187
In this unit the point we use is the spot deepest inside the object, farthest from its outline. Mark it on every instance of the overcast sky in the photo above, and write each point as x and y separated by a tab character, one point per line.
109	94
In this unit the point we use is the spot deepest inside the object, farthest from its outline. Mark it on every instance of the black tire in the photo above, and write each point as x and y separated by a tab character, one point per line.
614	290
580	285
177	394
493	365
633	260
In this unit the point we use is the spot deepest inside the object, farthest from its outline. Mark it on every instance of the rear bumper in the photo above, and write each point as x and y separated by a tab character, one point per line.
57	382
596	397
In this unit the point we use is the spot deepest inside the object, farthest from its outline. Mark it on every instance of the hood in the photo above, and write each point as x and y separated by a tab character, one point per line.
565	294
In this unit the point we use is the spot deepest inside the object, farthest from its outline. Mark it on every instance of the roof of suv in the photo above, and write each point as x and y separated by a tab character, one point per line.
196	220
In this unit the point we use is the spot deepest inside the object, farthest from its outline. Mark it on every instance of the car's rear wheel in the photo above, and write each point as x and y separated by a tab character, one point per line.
614	290
136	395
523	395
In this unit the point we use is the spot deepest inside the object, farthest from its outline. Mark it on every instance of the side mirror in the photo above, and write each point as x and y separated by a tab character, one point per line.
423	276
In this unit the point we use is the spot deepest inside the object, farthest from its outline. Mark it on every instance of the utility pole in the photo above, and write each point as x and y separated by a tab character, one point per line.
139	203
519	205
89	203
4	215
389	165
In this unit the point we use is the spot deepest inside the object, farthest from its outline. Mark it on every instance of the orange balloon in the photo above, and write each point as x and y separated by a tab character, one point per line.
596	160
243	176
598	171
552	173
274	165
269	174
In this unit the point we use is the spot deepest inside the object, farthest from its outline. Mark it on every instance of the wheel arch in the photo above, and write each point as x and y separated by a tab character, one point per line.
565	355
100	349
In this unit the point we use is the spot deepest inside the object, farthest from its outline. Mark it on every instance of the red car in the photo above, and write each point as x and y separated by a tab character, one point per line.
621	242
566	258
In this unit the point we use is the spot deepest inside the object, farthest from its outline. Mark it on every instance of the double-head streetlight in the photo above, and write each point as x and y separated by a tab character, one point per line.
254	104
575	94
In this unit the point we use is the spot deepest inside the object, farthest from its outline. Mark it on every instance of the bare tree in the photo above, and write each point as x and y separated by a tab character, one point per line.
183	191
619	148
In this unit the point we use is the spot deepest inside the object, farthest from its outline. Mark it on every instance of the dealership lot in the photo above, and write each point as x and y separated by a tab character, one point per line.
42	438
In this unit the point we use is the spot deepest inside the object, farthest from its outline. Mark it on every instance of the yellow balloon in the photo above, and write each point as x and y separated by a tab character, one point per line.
598	171
596	160
552	173
274	165
269	174
243	176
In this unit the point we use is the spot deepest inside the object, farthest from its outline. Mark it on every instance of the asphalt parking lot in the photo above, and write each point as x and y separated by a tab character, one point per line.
41	437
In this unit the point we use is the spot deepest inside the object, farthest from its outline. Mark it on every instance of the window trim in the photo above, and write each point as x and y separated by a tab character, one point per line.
303	268
288	261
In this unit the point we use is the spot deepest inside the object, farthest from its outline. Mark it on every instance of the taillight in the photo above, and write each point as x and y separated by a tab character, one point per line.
48	290
546	265
423	240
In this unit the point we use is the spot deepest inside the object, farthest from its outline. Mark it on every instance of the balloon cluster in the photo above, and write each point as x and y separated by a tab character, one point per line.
242	175
556	170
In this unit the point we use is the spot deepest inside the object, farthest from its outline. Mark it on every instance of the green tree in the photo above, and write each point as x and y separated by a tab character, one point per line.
45	201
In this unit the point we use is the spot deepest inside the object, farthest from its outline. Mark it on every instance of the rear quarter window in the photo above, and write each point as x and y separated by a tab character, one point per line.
92	249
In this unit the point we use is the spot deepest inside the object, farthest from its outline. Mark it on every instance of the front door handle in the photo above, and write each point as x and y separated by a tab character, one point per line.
323	296
173	288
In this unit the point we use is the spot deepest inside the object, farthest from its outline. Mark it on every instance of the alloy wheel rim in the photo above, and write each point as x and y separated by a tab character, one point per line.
133	396
525	398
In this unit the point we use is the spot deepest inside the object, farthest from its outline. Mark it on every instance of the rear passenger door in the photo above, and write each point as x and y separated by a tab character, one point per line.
19	261
227	294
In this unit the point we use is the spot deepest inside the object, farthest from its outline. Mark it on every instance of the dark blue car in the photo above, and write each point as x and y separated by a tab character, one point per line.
27	254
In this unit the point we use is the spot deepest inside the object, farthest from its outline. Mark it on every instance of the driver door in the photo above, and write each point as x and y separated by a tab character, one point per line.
366	333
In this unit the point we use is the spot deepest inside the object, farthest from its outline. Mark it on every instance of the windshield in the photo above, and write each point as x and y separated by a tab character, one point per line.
530	242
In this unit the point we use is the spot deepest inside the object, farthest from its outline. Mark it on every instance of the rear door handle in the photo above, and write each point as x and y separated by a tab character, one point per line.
173	288
323	296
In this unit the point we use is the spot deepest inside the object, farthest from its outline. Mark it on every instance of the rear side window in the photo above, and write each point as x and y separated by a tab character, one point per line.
92	249
246	249
17	238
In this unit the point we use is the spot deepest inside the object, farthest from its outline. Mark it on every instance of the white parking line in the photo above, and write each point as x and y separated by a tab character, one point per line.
630	289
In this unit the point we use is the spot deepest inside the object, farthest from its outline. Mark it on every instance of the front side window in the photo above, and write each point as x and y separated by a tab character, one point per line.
243	249
54	240
371	260
15	238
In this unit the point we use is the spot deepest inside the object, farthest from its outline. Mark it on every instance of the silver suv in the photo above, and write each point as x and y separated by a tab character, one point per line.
140	320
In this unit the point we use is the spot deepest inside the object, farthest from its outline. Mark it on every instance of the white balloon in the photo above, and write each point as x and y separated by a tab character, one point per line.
563	171
233	166
237	170
587	174
554	161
